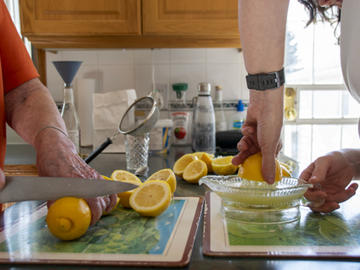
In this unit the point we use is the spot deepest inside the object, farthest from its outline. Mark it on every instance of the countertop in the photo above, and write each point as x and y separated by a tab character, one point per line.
106	163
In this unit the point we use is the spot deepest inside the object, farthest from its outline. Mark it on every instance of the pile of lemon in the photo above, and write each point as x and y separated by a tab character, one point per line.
69	218
191	167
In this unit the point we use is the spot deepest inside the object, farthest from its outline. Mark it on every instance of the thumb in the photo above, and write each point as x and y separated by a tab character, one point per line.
268	167
2	179
321	167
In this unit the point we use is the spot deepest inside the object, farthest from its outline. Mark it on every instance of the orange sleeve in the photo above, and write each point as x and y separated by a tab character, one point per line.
17	66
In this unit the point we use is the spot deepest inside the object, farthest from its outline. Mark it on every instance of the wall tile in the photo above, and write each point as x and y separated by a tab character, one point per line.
192	74
149	56
223	56
115	57
116	77
89	57
181	56
228	76
143	77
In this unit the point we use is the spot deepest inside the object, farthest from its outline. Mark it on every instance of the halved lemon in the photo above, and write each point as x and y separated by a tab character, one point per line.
251	168
194	171
182	162
206	157
223	165
166	175
128	177
151	198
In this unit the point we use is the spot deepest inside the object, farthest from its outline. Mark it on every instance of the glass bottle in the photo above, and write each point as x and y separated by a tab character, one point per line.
204	121
221	123
70	117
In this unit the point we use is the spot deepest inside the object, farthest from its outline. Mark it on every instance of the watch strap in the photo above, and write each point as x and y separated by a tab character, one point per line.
265	81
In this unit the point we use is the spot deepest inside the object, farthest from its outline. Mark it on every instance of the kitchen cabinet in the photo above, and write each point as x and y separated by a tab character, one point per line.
211	18
130	23
79	18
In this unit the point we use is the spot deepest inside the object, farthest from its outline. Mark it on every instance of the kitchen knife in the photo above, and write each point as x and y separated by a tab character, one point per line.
29	188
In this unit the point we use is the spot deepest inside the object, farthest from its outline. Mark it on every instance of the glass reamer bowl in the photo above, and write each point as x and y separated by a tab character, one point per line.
258	202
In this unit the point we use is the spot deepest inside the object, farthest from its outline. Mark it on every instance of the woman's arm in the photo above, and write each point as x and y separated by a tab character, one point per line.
29	109
262	25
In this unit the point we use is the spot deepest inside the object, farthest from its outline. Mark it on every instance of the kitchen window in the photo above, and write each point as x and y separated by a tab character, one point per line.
327	115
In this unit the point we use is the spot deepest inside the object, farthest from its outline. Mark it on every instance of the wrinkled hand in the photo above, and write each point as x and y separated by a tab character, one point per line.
330	174
57	156
261	133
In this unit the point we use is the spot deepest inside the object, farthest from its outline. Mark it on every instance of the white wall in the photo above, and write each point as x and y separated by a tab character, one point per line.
132	68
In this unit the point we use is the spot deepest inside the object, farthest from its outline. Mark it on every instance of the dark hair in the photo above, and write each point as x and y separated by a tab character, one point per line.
316	12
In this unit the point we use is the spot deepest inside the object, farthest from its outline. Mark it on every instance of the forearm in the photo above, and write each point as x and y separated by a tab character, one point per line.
262	25
30	108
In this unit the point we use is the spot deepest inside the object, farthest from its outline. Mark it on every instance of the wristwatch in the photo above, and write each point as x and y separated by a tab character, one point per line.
265	81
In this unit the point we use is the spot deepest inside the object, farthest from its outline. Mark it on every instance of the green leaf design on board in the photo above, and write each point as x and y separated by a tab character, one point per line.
333	233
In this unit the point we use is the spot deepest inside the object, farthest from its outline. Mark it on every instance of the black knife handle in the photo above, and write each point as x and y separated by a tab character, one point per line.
98	150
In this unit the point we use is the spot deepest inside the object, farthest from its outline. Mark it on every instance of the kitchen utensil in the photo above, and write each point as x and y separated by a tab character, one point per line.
29	188
138	119
258	202
67	71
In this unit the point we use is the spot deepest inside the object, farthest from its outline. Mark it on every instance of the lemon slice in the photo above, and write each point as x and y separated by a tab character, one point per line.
223	165
106	178
285	172
206	157
127	177
194	171
151	198
182	162
122	175
285	169
68	218
166	175
251	169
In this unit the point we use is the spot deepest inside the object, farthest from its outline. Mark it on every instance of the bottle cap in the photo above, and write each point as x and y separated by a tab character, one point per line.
240	106
218	88
204	88
180	86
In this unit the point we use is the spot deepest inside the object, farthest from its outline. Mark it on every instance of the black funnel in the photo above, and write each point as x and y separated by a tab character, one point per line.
67	70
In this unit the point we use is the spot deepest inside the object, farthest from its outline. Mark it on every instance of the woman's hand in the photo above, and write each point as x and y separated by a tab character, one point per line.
57	156
261	130
330	175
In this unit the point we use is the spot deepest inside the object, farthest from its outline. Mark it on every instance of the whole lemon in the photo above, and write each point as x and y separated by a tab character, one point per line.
68	218
251	168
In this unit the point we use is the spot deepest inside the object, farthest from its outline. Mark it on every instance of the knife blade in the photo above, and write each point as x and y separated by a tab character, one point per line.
29	188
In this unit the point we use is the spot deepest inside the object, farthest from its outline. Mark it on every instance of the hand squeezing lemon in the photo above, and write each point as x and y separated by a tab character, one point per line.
251	169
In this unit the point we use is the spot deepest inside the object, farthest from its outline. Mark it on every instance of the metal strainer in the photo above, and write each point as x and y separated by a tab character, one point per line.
138	119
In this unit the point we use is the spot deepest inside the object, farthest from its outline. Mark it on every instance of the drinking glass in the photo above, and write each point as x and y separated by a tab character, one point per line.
137	152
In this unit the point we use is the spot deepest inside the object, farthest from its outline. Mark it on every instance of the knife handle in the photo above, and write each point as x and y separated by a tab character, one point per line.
98	150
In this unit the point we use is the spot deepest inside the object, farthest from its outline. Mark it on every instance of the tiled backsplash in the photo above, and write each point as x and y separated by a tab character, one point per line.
132	69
